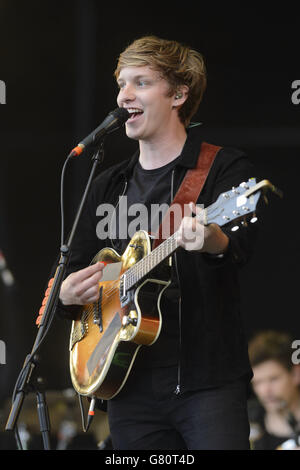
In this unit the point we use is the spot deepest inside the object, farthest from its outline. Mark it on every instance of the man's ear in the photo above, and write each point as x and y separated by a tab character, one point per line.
180	96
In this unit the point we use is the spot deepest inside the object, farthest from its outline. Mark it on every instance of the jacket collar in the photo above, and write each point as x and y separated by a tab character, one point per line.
189	154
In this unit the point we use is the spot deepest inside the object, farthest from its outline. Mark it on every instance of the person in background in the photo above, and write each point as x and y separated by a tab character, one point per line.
274	413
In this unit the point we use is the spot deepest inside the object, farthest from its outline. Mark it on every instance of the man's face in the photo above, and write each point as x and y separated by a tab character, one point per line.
274	385
144	90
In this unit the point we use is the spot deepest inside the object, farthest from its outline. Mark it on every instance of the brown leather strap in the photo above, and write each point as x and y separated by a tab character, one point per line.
188	191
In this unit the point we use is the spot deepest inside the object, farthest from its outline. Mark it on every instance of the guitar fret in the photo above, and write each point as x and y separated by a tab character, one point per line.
146	264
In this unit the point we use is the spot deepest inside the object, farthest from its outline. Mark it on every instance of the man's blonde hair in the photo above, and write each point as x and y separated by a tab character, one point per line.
178	64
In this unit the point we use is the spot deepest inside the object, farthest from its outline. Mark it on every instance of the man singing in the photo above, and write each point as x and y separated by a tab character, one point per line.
189	389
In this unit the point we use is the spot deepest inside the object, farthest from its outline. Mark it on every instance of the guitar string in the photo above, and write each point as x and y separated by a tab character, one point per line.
148	262
141	268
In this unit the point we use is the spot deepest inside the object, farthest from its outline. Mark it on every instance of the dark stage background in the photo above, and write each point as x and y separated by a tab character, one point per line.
57	60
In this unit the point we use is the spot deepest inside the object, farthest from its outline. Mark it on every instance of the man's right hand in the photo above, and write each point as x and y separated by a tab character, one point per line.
82	287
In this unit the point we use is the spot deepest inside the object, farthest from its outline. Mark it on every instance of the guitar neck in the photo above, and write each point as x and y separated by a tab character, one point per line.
237	204
150	261
166	249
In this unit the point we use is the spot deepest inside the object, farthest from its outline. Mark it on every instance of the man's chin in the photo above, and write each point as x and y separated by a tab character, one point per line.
131	134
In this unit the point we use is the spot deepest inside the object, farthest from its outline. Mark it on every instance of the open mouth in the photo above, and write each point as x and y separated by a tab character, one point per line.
135	113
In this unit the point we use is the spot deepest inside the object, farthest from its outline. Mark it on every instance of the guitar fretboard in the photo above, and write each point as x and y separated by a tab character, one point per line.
159	254
225	209
149	262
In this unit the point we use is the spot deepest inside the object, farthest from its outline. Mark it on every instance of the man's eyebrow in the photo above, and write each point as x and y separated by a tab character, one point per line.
135	77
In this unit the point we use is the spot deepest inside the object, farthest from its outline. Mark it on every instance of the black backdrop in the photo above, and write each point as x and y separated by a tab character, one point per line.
57	60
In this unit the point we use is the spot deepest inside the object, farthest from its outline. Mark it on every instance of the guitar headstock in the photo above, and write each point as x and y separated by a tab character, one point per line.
239	203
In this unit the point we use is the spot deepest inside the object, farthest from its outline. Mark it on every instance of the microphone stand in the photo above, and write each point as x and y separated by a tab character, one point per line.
23	385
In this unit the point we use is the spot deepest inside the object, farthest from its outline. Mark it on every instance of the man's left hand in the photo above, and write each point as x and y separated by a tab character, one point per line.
193	235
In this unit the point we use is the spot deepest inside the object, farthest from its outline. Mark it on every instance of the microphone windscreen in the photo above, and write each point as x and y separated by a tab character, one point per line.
121	114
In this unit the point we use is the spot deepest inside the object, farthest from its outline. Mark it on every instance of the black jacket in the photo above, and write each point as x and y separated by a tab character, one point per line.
213	347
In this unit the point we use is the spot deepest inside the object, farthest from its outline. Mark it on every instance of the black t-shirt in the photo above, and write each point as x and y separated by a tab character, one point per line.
260	438
152	190
269	442
138	208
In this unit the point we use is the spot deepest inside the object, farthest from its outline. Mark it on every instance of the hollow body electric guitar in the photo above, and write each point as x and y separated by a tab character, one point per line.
106	335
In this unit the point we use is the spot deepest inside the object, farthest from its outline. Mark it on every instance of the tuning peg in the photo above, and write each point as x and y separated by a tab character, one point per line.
235	228
254	219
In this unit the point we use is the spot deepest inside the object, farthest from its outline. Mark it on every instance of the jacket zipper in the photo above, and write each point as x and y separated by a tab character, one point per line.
177	391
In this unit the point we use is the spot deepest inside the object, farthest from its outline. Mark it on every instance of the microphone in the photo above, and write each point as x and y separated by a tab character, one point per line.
112	122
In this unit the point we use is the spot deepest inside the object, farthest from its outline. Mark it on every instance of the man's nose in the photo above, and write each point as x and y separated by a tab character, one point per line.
126	94
267	390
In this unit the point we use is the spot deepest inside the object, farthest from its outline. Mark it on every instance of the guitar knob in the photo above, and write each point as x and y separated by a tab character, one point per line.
129	321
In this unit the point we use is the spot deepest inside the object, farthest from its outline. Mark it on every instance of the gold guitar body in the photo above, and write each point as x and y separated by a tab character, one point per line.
106	336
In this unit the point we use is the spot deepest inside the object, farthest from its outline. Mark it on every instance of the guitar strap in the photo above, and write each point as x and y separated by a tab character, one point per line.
188	191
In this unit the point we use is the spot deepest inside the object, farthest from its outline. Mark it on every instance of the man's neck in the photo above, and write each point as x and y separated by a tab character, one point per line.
161	151
278	419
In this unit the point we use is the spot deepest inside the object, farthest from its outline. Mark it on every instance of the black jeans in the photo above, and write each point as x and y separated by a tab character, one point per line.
147	414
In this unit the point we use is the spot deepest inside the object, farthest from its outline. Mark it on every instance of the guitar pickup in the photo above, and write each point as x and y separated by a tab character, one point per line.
126	296
98	311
